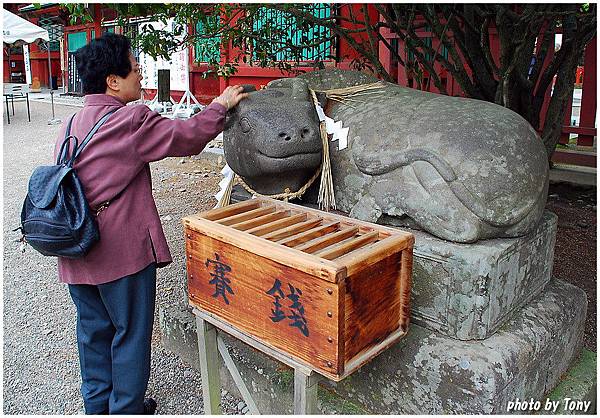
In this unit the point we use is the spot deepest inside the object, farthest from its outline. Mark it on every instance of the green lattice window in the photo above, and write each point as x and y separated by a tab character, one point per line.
308	37
55	33
207	49
76	40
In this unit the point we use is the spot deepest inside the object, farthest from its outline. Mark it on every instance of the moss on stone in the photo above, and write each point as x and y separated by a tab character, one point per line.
285	378
579	382
330	401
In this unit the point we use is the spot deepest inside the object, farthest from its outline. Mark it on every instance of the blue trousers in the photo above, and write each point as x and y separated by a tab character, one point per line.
114	330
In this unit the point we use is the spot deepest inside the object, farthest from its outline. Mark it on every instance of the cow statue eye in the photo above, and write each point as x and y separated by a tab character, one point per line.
245	125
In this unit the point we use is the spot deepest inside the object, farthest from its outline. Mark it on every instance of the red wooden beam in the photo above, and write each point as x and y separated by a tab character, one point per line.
586	159
580	130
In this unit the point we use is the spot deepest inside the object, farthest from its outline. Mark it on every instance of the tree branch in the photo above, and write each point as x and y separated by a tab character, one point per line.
485	46
420	57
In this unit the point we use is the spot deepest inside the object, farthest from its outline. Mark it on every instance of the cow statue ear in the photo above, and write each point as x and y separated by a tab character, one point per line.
230	118
279	83
300	90
248	88
299	87
321	98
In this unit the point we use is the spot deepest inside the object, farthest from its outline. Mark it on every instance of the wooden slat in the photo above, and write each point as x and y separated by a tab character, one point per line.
362	258
347	246
226	211
237	377
362	230
318	267
310	234
329	217
277	225
327	240
246	215
293	229
261	220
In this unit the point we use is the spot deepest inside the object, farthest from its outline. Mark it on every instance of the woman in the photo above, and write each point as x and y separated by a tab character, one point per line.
114	285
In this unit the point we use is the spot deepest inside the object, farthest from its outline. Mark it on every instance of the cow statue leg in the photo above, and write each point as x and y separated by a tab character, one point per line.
428	202
366	209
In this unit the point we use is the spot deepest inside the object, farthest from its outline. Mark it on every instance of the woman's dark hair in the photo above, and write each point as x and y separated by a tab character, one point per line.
106	55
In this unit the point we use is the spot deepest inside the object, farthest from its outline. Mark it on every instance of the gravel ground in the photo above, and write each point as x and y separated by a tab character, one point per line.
41	367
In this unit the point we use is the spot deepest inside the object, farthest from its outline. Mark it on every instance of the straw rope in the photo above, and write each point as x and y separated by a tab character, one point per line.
326	198
226	198
287	193
346	94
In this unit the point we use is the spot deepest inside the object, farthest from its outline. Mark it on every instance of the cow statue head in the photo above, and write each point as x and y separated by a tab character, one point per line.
272	139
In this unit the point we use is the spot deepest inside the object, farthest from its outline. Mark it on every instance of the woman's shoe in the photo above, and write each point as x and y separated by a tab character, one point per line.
149	406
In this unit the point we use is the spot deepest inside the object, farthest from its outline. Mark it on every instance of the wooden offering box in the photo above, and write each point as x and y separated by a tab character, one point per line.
328	291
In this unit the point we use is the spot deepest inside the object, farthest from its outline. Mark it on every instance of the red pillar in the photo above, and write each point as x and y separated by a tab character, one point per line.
346	52
564	136
587	115
385	55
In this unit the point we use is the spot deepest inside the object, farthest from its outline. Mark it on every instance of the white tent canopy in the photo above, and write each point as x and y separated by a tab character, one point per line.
18	31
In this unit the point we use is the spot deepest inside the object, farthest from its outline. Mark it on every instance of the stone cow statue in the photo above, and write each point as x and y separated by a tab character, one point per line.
461	169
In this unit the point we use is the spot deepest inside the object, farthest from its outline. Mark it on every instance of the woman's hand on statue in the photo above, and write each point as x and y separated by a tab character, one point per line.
231	96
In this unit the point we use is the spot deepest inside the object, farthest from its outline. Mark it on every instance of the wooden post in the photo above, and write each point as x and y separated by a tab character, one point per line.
305	392
209	366
237	377
164	86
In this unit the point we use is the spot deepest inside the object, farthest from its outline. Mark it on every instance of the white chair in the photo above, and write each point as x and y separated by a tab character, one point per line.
12	90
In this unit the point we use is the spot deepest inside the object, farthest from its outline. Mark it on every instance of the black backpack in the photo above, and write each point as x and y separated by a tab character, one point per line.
56	219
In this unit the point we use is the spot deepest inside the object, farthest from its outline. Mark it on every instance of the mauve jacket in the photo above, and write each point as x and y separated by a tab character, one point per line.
116	162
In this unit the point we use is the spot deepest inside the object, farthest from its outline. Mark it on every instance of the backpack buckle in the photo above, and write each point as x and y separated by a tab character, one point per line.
23	244
102	207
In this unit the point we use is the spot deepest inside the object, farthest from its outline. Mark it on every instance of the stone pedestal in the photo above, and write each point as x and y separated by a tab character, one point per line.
466	291
434	374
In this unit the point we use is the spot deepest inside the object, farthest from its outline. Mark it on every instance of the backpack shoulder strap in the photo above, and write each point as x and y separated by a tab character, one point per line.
68	131
64	149
91	133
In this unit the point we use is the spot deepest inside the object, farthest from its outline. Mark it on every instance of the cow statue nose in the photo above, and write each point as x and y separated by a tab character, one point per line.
302	134
284	136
